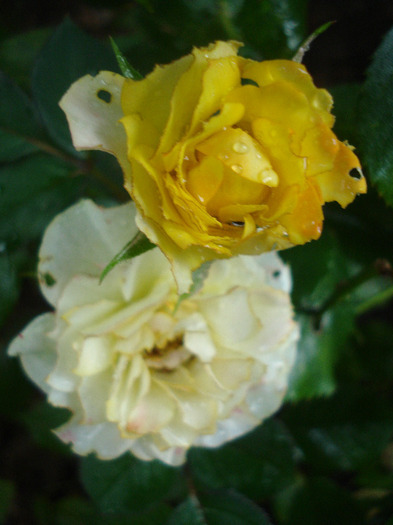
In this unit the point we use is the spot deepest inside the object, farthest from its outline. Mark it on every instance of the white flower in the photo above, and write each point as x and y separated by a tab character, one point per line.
139	371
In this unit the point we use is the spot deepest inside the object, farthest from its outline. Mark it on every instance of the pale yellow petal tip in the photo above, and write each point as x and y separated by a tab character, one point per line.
93	109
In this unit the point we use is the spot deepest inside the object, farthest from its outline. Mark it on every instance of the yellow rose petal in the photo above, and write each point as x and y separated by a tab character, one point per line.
224	155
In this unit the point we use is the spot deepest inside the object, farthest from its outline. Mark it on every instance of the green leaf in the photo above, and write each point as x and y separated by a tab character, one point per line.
275	28
77	511
317	269
321	502
257	465
125	67
9	286
34	190
219	508
18	125
376	366
187	513
127	484
346	99
375	120
67	56
136	246
346	432
40	420
321	342
13	401
7	493
18	53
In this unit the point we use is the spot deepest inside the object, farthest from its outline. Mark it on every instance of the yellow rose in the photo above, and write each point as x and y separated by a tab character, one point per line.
222	155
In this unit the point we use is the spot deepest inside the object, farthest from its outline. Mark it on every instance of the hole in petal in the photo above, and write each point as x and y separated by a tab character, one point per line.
248	82
276	274
356	173
237	223
104	95
48	279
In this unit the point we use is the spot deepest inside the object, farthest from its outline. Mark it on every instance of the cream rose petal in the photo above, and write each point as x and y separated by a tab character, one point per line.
87	239
93	109
140	372
36	349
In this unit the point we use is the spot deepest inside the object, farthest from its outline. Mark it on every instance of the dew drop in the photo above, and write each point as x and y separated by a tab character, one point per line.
237	168
222	156
240	147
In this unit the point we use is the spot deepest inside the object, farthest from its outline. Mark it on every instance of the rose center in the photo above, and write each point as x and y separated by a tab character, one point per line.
232	170
167	357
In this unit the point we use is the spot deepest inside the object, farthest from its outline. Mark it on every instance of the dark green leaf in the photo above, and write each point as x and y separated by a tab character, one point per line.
17	54
34	189
155	516
67	56
136	246
127	484
77	511
18	125
275	28
362	231
321	502
346	98
347	432
317	269
375	120
41	420
256	465
376	365
13	400
219	508
7	492
9	285
125	67
187	513
319	348
228	507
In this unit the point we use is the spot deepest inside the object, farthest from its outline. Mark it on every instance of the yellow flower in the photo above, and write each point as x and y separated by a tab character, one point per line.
222	155
139	374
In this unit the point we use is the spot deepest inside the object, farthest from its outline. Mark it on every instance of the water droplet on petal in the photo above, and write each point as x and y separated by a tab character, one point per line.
269	177
240	147
237	168
222	156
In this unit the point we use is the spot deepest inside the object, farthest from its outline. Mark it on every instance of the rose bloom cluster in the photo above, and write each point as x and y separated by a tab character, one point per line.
227	160
139	370
222	155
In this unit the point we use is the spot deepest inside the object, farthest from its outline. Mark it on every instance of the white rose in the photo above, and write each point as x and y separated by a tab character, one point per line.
138	371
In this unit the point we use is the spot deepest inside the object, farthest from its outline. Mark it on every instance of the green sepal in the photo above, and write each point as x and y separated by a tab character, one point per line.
136	246
198	278
125	67
298	57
